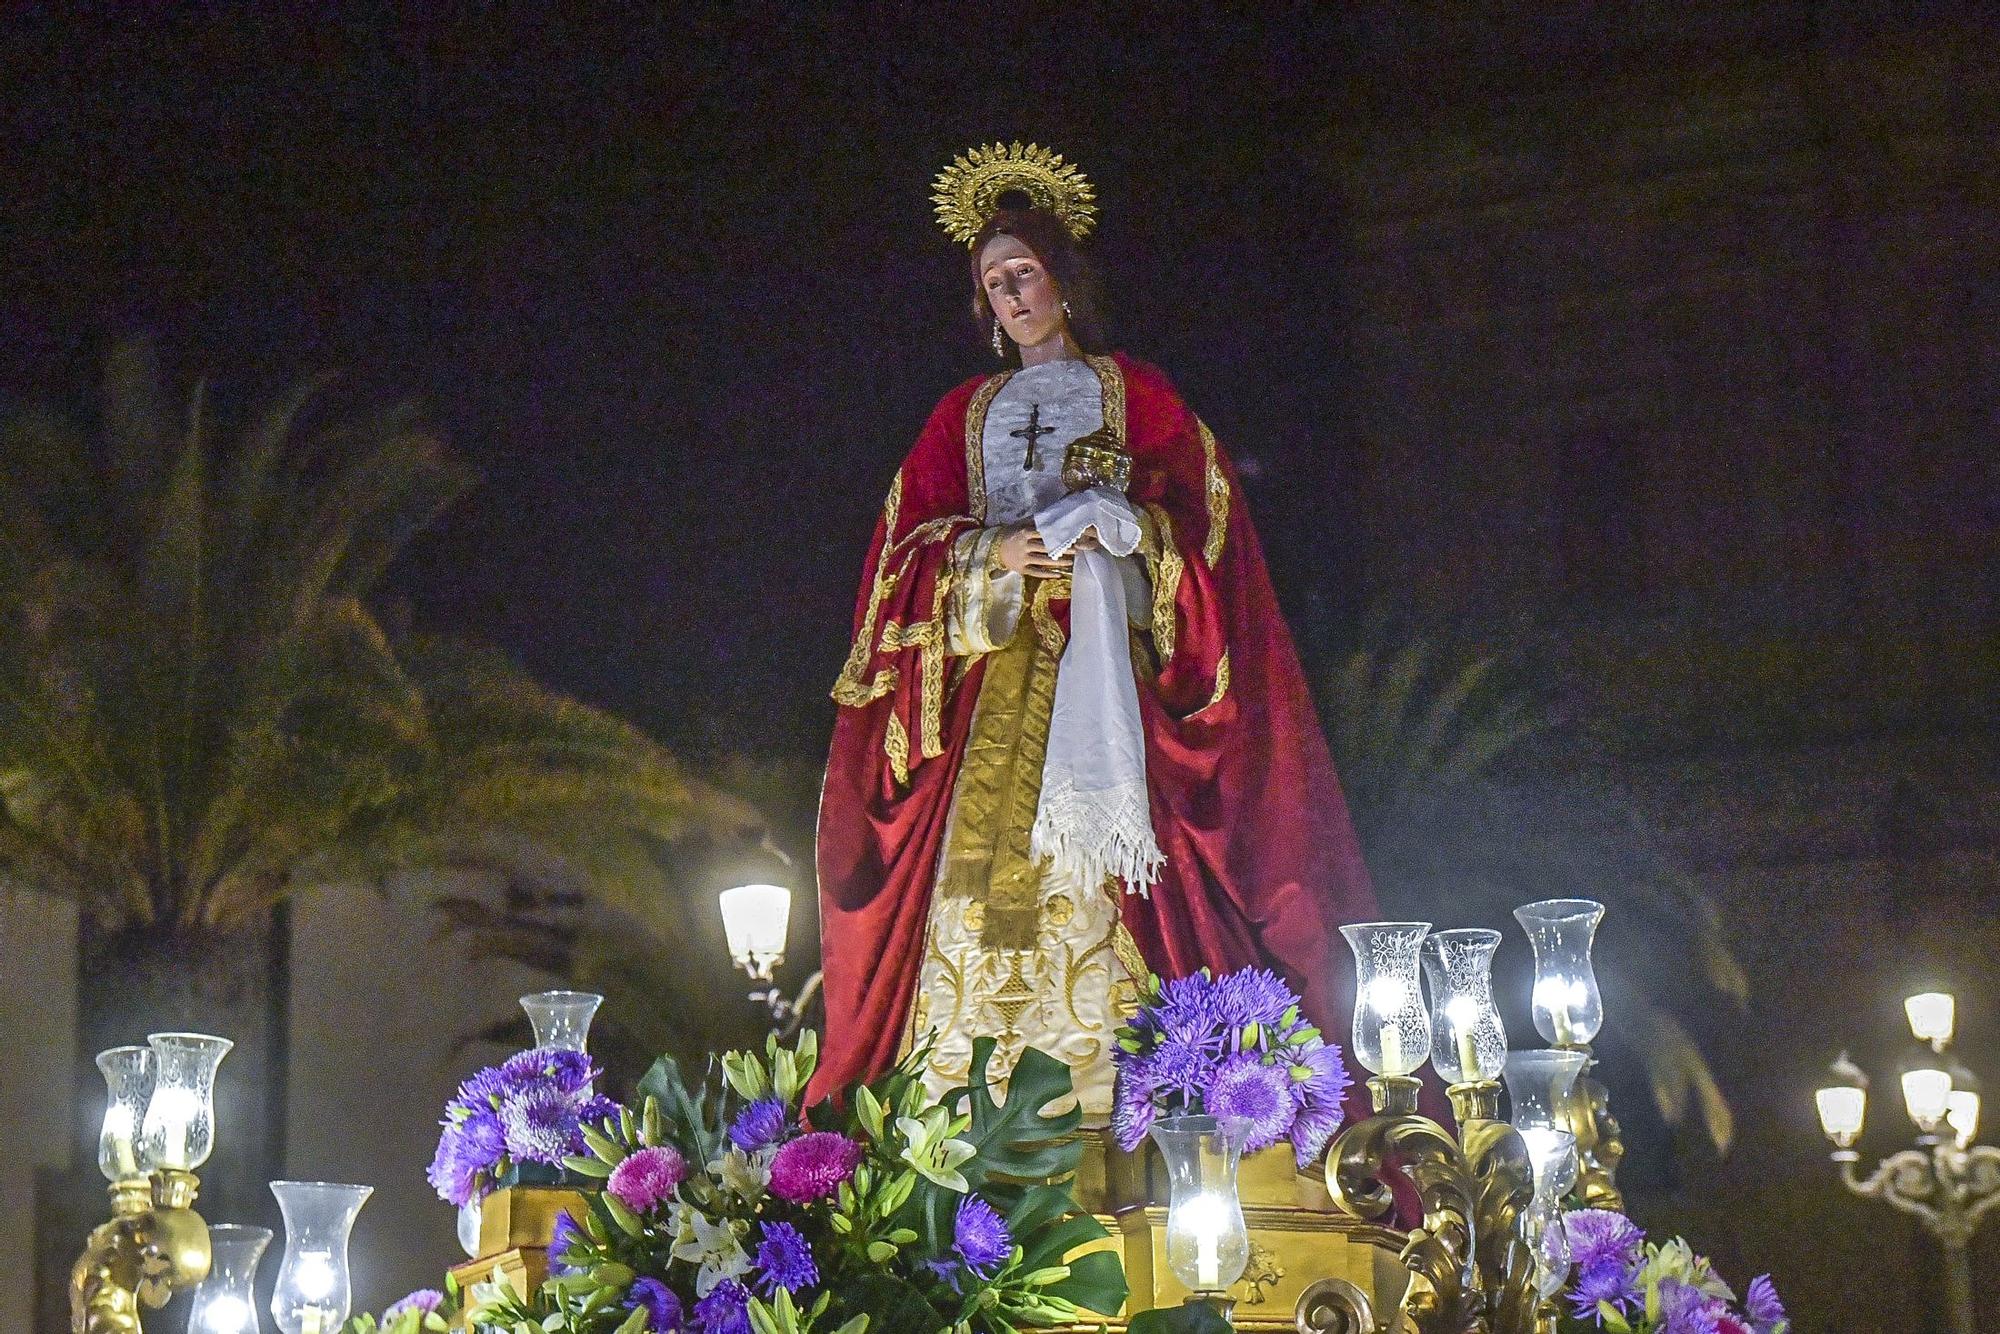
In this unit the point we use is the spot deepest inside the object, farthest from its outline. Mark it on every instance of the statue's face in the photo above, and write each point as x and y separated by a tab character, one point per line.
1021	291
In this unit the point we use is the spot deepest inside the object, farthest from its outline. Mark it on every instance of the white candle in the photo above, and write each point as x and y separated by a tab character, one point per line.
1392	1049
1208	1260
1468	1054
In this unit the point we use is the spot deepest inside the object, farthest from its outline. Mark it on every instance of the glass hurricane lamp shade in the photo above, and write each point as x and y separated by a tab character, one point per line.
1392	1029
1539	1084
179	1129
469	1223
226	1301
1553	1156
1208	1243
1567	1005
314	1292
561	1019
1843	1102
128	1087
756	919
1552	1153
1468	1043
1932	1016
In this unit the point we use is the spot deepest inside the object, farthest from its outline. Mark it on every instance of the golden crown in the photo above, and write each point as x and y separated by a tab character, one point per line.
968	191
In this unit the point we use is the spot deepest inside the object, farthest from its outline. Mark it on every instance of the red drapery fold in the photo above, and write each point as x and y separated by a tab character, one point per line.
1262	863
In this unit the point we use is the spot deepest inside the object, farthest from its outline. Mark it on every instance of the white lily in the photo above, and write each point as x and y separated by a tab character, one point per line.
714	1246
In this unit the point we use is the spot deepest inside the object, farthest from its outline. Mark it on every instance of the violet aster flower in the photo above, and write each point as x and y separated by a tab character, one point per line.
1252	996
598	1110
562	1236
813	1166
1686	1309
726	1309
1132	1109
1320	1097
646	1179
760	1125
1259	1094
1600	1237
567	1070
663	1308
1178	1066
980	1237
541	1125
1605	1282
454	1170
483	1090
1761	1304
426	1300
785	1260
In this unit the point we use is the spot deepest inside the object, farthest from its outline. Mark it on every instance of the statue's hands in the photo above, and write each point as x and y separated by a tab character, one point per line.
1022	551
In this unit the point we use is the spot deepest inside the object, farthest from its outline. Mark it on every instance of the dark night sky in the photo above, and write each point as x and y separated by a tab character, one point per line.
673	284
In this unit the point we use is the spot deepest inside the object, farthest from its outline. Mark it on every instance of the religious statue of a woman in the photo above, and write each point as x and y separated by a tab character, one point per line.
1074	743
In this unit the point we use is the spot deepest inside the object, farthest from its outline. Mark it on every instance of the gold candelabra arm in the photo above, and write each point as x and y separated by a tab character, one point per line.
1903	1181
1505	1179
154	1245
1980	1174
1600	1145
1445	1293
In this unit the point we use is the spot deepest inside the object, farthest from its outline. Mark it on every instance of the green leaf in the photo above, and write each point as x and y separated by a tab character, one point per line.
1096	1281
1183	1319
687	1109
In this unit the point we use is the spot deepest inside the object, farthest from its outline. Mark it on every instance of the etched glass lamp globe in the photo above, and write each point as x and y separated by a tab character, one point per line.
314	1290
178	1132
1392	1029
1468	1043
128	1087
1208	1242
226	1301
1567	1005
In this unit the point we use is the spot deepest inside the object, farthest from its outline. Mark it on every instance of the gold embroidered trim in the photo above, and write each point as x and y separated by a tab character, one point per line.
931	668
1127	950
975	443
1047	631
896	744
921	635
1217	487
1112	381
1221	682
1166	568
850	689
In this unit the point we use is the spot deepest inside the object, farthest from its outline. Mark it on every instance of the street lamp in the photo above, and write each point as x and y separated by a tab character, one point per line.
756	920
1947	1182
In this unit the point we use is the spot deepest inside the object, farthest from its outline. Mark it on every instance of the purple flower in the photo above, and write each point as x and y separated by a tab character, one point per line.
1132	1109
813	1166
663	1308
483	1091
1601	1237
1686	1309
541	1125
599	1110
979	1237
1604	1282
1259	1094
1178	1065
726	1309
1189	1004
564	1235
1252	996
568	1071
1761	1304
785	1260
456	1168
1320	1096
647	1179
760	1125
426	1300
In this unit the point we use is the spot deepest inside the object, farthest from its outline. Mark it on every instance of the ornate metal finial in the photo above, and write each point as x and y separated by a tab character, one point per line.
968	191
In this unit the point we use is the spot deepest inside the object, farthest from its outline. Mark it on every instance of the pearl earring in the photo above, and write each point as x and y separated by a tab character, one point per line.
1068	314
999	348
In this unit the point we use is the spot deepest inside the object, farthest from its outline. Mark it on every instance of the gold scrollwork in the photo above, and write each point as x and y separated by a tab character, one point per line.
1334	1306
1470	1271
1262	1271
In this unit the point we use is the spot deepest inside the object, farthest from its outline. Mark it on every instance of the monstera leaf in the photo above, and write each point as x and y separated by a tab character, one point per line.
1018	1142
1194	1319
687	1107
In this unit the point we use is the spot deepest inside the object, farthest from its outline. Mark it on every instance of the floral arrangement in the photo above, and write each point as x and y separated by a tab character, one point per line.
1235	1046
737	1210
530	1109
1626	1284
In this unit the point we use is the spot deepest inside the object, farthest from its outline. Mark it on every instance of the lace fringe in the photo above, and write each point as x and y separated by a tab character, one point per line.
1089	836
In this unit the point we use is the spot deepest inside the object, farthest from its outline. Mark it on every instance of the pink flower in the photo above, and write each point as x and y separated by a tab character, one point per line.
812	1167
647	1179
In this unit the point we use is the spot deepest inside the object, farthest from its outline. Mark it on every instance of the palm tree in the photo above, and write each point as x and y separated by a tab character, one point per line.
1458	827
200	716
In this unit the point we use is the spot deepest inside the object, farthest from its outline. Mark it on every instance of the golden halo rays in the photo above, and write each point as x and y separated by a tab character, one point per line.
967	192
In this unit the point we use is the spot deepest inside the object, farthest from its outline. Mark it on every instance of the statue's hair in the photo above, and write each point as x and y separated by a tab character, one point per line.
1042	232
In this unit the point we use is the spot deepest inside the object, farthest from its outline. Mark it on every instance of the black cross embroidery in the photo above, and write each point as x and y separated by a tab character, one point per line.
1029	432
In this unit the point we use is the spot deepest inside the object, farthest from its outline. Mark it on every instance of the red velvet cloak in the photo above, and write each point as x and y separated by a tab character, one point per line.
1262	863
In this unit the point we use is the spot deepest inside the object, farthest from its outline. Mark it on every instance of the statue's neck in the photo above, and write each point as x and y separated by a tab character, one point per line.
1060	347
